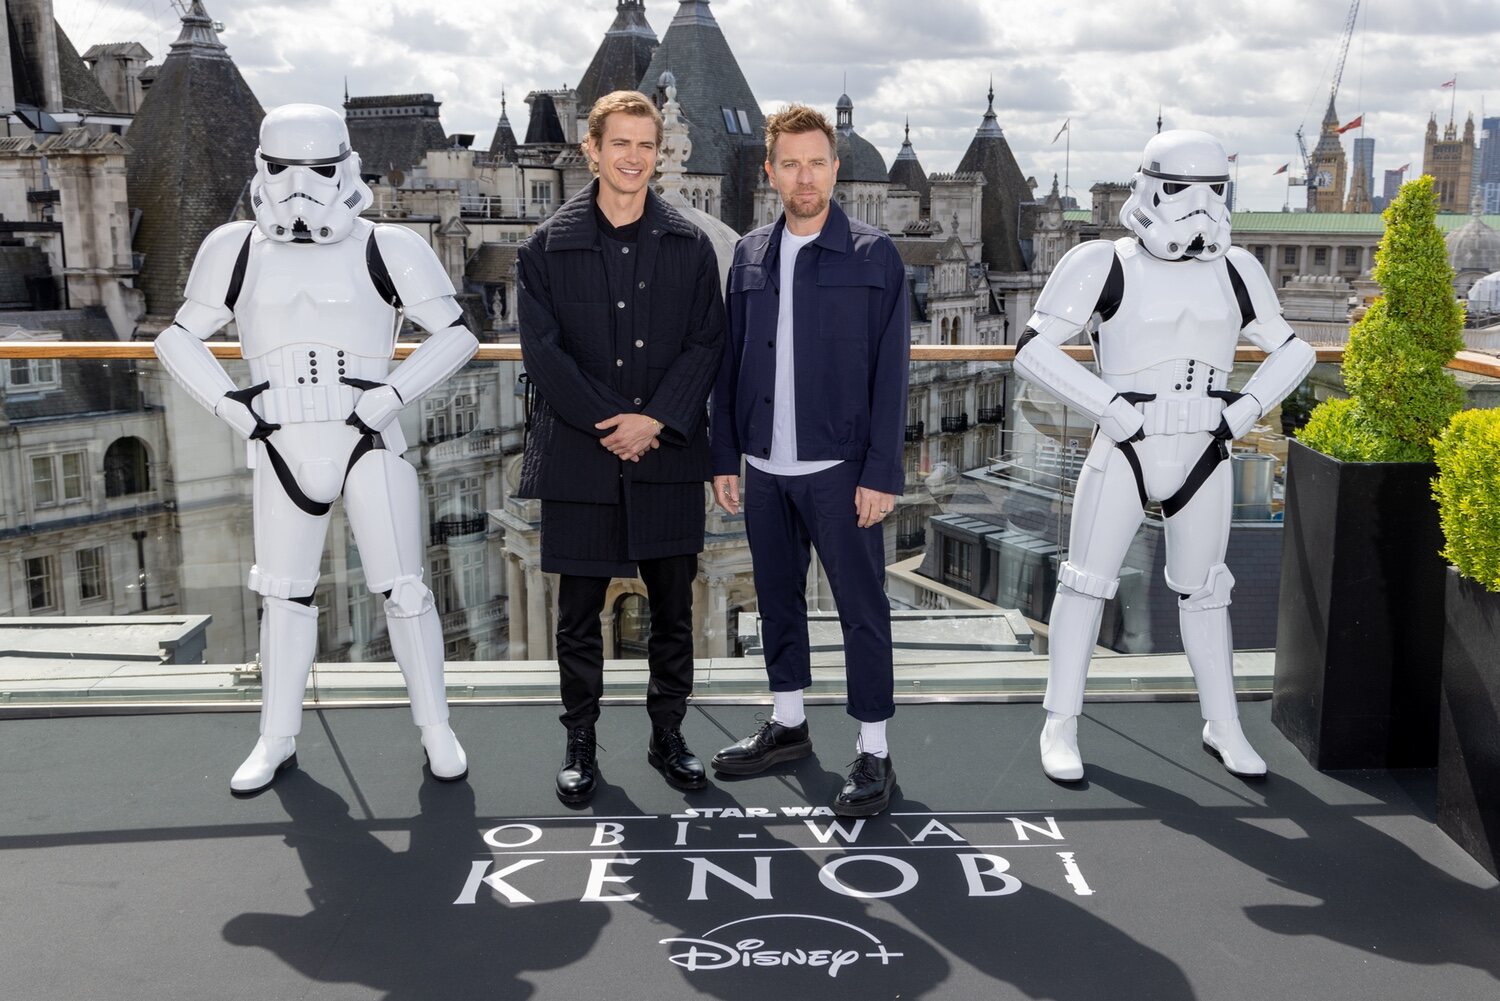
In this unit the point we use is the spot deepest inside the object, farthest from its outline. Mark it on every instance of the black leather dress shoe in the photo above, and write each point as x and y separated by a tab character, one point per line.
669	754
763	748
579	776
868	788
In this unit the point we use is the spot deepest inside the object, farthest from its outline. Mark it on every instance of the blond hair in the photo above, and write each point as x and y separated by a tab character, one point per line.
794	120
625	102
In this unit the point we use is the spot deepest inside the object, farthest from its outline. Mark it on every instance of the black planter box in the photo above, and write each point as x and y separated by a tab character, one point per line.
1360	620
1468	799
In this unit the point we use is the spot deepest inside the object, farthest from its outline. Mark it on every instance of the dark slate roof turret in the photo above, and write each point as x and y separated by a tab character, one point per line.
544	126
393	132
711	86
907	171
504	143
1005	188
193	144
622	57
859	161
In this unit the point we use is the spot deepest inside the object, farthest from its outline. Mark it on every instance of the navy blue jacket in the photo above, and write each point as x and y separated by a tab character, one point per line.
851	348
583	377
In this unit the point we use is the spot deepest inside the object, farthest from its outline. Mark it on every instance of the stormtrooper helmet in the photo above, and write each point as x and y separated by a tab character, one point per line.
1176	205
307	185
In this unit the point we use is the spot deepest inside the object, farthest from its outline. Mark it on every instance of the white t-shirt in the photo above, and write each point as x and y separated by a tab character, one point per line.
783	460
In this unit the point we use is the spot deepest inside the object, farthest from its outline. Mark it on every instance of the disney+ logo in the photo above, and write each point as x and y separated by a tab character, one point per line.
708	953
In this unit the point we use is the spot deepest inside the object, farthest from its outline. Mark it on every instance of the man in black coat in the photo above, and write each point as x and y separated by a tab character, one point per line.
622	327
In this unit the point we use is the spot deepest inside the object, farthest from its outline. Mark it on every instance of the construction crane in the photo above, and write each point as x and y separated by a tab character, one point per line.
1309	175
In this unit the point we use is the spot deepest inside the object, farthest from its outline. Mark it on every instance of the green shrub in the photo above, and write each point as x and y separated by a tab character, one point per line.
1467	489
1401	393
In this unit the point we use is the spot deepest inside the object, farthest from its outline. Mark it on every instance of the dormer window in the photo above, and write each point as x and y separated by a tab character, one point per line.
730	124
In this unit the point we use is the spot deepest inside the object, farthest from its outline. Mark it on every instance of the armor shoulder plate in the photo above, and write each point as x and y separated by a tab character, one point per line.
413	270
219	268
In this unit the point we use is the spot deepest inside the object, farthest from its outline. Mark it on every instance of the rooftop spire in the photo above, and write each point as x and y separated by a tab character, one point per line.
198	36
990	126
907	153
694	12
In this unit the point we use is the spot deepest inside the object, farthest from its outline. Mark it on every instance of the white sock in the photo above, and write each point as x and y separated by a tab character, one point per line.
788	709
872	739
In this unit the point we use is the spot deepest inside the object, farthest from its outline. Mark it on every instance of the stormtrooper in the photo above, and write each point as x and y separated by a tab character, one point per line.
1164	309
318	295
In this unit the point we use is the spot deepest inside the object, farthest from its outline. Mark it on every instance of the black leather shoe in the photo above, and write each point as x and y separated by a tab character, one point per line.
763	748
669	754
868	789
579	775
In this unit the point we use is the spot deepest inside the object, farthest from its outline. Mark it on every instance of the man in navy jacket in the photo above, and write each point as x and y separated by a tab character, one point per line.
812	392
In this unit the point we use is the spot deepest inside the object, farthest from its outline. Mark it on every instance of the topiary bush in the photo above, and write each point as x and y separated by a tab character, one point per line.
1401	394
1467	489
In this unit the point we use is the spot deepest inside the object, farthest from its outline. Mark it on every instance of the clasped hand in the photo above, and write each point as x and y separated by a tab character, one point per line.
630	435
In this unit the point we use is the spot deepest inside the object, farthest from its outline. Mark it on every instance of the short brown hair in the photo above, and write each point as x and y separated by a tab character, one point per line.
794	120
626	102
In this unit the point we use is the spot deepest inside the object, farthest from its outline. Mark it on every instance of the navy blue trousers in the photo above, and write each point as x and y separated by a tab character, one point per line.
788	516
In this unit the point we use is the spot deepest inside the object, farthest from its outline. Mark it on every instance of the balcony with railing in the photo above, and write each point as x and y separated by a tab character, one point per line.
447	529
955	425
915	432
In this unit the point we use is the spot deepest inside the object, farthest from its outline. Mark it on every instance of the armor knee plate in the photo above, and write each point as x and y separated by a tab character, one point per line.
1214	593
409	597
1074	579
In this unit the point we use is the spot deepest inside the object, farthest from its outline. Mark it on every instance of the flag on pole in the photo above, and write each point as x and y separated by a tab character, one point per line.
1234	158
1450	83
1063	129
1352	125
1280	170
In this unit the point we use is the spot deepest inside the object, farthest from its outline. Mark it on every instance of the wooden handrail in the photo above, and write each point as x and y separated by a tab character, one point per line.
1472	362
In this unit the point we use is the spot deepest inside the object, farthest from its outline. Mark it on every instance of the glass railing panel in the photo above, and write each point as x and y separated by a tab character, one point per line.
127	535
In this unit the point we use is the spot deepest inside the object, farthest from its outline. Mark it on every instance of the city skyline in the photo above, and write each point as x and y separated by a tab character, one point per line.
1102	70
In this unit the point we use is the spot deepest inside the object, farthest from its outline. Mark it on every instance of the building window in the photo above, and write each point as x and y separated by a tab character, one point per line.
1289	255
472	580
1351	257
956	556
361	615
465	413
541	193
32	374
1320	255
440	579
57	479
1260	254
730	124
126	470
41	583
435	424
744	121
470	495
93	582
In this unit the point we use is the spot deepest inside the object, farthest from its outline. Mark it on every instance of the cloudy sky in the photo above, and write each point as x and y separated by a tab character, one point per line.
1250	71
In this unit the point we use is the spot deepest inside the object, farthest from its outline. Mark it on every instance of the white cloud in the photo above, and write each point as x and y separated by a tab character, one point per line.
1248	70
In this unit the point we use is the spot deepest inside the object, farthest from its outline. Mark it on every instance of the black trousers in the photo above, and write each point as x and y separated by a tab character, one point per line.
580	641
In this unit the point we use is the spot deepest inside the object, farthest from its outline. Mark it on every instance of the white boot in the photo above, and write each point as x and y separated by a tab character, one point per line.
1060	758
1224	739
417	644
445	755
270	755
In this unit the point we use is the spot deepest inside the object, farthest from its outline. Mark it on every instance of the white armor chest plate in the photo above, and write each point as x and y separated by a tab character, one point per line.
309	316
313	295
1170	312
